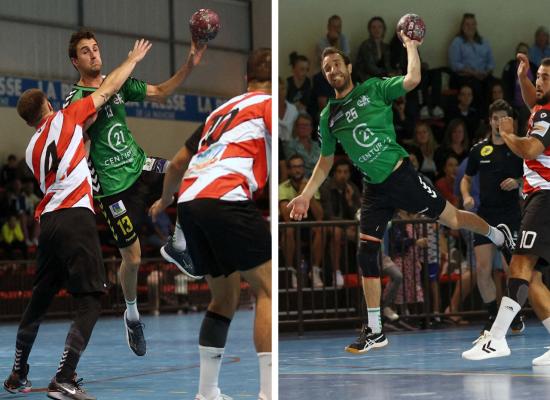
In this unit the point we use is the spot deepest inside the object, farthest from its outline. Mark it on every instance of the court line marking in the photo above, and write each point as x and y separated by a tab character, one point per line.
418	372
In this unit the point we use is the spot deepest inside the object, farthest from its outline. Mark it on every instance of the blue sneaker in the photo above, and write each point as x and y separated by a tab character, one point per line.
135	336
180	258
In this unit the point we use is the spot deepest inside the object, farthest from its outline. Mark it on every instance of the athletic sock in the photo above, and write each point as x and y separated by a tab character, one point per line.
132	313
546	324
179	238
211	361
495	236
506	314
375	321
265	375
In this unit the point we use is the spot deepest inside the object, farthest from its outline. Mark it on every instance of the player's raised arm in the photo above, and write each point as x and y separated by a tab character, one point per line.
528	90
160	92
118	76
412	79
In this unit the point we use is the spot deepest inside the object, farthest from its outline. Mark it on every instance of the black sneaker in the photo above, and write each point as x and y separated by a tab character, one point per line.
18	382
509	245
68	390
180	258
517	326
366	341
135	336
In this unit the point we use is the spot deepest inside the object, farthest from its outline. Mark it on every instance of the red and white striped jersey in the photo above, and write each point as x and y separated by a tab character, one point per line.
57	159
234	152
536	173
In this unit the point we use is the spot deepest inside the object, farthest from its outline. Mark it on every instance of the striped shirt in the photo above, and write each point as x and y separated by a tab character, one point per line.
233	157
57	159
536	173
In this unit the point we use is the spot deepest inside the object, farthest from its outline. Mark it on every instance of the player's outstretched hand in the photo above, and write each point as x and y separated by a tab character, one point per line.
523	67
506	125
468	203
298	207
141	47
196	52
406	40
158	207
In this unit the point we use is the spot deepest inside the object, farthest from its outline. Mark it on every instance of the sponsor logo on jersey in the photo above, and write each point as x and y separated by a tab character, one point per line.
363	135
116	138
117	209
363	101
486	150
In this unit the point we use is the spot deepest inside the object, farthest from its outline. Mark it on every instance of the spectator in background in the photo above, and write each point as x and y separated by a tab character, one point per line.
340	199
302	143
512	90
541	47
404	126
464	110
471	59
287	191
18	205
283	170
446	183
298	85
373	57
9	171
31	201
287	113
320	93
425	141
455	143
333	38
12	237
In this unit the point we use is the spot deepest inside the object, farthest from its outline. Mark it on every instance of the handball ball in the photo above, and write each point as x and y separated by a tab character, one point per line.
204	25
412	26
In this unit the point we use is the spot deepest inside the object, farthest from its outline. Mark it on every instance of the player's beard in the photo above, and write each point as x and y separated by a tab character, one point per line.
345	84
545	99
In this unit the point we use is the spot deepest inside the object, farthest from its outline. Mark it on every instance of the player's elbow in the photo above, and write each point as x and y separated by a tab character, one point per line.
410	82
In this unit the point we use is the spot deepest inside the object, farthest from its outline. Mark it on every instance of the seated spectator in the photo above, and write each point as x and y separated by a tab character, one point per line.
373	57
404	126
333	38
425	141
287	113
455	143
302	143
471	59
340	199
18	205
287	191
298	86
464	110
446	183
512	90
320	93
12	237
31	201
541	47
9	171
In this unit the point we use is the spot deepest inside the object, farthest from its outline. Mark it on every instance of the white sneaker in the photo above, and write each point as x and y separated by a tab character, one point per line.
543	360
339	279
390	314
486	346
437	112
424	112
221	396
316	276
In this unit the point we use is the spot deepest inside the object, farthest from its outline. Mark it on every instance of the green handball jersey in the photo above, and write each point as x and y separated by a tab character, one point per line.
363	124
115	156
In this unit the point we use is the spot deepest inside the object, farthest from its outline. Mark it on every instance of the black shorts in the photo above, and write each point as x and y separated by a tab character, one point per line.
495	216
69	254
403	189
224	236
126	211
534	234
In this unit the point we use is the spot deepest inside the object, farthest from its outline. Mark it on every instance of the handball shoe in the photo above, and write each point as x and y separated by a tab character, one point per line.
180	258
18	382
486	346
135	336
366	341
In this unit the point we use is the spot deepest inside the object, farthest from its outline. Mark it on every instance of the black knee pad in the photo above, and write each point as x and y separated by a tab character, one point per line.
518	290
368	258
214	330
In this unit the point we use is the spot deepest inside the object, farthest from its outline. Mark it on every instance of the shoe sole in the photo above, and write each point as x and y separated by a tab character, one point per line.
15	391
59	396
374	346
486	357
167	257
128	338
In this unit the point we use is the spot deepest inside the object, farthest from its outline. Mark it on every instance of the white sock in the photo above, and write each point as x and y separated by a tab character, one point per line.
132	312
546	324
265	375
495	236
211	362
179	238
375	321
506	313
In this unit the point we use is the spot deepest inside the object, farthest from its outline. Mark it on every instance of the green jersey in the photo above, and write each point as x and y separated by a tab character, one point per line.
115	156
363	124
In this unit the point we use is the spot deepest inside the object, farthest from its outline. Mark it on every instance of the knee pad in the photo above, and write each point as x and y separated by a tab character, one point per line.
368	258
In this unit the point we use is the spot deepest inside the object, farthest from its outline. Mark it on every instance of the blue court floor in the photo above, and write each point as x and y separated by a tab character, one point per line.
169	370
418	365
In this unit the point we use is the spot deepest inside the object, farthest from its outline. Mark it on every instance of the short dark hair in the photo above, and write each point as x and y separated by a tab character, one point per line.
341	161
258	66
295	58
500	105
333	17
77	37
333	50
294	157
545	62
374	19
29	105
